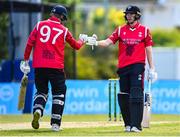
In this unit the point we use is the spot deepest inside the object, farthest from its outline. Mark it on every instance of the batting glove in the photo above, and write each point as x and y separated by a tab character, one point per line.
24	67
152	75
95	36
83	37
92	41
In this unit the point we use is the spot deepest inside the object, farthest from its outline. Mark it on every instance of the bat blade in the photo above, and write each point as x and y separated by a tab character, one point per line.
147	111
22	92
146	117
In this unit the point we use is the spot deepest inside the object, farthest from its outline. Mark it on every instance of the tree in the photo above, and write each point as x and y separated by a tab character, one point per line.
3	36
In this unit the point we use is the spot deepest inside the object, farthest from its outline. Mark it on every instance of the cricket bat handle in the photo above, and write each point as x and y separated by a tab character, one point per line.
149	86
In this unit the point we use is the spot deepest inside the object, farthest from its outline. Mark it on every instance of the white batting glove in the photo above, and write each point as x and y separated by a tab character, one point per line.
24	67
95	36
83	37
92	41
152	75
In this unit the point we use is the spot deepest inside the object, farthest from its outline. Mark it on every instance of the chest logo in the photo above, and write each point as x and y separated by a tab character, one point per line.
140	34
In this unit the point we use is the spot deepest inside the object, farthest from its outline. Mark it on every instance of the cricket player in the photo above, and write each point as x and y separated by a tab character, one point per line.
135	44
48	40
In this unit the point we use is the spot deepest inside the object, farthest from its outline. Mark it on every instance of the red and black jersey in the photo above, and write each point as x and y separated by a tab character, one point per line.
132	43
48	42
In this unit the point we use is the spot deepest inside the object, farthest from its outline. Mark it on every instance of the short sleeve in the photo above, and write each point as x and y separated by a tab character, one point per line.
115	35
148	38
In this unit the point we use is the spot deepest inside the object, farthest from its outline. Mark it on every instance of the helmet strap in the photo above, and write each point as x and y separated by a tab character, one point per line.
137	17
63	20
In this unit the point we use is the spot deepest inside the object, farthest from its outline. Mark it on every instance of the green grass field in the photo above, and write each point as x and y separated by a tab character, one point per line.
86	125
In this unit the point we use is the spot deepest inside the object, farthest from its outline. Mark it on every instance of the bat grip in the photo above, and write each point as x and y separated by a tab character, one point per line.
25	74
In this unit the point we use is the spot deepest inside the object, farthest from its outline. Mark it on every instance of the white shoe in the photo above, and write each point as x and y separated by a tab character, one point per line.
135	129
127	129
36	117
55	127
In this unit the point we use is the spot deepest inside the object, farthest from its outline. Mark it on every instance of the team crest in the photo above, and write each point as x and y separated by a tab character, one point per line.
140	34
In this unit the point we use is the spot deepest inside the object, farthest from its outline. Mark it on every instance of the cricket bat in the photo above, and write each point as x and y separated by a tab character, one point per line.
22	93
147	107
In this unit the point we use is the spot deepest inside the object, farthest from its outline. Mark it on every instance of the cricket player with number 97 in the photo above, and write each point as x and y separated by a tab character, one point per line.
48	40
135	44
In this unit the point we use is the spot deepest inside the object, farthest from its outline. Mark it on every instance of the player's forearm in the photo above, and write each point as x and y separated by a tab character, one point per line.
150	57
75	44
104	43
27	52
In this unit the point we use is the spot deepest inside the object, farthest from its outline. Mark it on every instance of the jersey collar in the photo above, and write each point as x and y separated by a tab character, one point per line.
54	19
133	28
